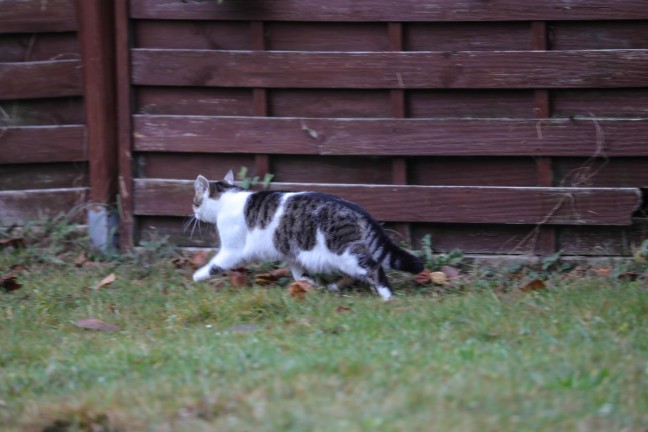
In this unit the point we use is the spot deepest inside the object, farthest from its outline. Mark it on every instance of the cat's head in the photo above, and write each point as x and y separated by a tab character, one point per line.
206	191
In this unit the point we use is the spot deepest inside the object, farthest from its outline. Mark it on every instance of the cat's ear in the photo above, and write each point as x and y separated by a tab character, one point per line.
229	178
201	185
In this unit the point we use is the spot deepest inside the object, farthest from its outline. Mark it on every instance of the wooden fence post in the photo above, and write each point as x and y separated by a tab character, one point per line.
96	39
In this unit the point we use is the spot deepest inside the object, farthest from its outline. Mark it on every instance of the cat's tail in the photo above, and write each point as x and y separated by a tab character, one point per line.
400	259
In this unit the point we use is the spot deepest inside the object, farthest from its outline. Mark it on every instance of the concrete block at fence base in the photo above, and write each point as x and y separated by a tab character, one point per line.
103	228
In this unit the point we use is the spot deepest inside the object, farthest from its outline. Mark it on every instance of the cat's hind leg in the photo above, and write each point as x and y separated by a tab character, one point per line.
378	279
299	273
366	269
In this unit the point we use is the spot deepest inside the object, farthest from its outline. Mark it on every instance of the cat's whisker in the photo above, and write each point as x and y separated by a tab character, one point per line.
187	222
195	222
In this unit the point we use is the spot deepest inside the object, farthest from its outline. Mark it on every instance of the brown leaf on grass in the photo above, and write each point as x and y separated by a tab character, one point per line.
603	271
81	259
219	284
534	285
199	259
299	289
342	309
12	242
423	278
107	281
180	262
272	277
238	277
96	325
18	268
628	276
8	282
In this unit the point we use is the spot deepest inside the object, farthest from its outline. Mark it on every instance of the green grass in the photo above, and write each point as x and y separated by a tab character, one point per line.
188	357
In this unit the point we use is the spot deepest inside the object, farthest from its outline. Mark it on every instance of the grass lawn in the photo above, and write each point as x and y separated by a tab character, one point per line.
193	357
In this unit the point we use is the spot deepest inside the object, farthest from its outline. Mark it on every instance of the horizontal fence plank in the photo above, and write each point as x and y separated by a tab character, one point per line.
451	204
409	70
38	47
32	16
391	137
378	10
46	79
43	176
43	112
21	206
31	144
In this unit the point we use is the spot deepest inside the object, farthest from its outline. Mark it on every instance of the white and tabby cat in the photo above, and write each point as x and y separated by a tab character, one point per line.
312	232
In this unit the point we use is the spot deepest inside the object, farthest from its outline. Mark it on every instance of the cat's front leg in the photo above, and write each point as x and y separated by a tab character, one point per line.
220	263
205	272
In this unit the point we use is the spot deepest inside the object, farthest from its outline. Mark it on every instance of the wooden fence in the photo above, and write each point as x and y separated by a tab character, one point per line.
496	128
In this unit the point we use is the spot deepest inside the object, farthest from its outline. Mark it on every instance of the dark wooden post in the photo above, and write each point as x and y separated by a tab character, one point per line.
124	124
96	36
397	100
546	241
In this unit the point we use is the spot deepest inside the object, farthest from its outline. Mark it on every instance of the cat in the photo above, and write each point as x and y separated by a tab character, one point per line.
313	232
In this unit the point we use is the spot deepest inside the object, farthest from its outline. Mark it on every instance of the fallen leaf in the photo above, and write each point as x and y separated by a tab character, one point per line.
423	278
451	272
219	284
342	309
180	262
628	276
199	259
81	259
534	285
107	281
96	325
12	242
603	271
298	289
238	277
18	267
8	282
272	277
439	278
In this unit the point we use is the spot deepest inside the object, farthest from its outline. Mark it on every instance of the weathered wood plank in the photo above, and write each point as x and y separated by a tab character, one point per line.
194	101
599	35
615	172
622	103
467	36
452	204
33	144
224	35
31	16
45	79
43	112
329	103
391	137
603	241
43	176
21	206
471	171
327	36
425	69
448	103
377	10
38	47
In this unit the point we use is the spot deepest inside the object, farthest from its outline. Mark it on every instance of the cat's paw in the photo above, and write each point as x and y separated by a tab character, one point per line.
202	274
